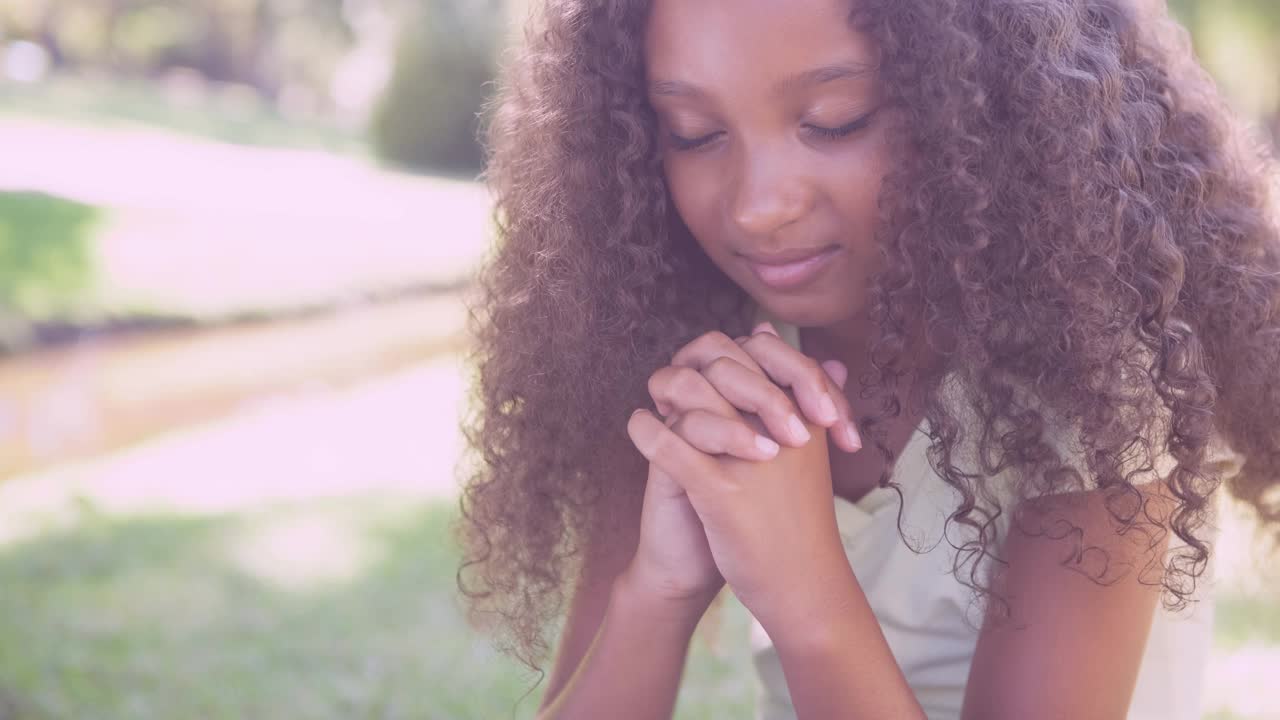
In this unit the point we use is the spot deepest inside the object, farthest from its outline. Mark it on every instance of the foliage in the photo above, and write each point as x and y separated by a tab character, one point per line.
267	45
429	114
45	258
1238	41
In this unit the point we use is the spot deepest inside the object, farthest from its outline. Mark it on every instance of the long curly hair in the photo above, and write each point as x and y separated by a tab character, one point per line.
1070	202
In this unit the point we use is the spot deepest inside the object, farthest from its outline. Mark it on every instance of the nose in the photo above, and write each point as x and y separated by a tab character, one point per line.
769	193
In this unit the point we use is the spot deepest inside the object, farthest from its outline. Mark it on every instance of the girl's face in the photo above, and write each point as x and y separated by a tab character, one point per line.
772	147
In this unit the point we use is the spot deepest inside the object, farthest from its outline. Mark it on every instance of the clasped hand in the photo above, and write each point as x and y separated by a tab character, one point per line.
739	487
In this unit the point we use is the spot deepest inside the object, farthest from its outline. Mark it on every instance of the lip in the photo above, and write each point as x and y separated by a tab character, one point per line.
786	257
793	268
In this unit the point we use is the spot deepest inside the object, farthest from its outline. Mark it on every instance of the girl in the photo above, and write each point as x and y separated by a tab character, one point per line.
1025	287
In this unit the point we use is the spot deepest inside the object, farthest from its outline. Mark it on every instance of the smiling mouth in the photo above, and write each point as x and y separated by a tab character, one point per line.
793	269
786	257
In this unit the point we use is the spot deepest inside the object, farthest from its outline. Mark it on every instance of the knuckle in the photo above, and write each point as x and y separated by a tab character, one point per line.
685	380
656	382
723	342
710	340
660	390
778	401
720	365
814	373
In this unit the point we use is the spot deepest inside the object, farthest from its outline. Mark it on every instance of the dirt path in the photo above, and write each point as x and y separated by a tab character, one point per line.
87	399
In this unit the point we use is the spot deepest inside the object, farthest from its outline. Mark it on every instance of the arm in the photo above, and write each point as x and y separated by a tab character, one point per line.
605	557
837	662
633	667
621	654
1071	647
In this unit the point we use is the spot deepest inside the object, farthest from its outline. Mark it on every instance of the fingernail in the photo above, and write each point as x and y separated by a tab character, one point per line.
797	429
766	446
765	327
827	409
854	438
838	372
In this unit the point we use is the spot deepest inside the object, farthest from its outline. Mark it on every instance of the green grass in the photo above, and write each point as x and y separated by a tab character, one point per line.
331	609
338	608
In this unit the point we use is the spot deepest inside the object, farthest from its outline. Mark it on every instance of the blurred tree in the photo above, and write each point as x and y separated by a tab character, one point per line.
251	42
428	116
288	50
46	260
1239	43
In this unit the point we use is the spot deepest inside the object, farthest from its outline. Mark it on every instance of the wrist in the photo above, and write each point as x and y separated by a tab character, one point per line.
809	617
641	599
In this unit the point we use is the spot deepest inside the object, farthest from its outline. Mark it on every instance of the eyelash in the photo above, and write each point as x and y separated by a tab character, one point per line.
682	144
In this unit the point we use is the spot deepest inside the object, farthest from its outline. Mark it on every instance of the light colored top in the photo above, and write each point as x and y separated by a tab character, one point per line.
931	621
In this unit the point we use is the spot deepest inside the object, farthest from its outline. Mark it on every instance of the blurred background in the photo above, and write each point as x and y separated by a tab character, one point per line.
233	238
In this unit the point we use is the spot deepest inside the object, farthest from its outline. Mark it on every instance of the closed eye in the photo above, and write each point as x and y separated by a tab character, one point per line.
681	143
842	131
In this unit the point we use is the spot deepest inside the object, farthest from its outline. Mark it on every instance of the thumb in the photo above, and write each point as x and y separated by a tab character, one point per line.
662	485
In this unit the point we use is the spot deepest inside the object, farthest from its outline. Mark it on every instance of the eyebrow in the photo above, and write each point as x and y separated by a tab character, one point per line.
807	78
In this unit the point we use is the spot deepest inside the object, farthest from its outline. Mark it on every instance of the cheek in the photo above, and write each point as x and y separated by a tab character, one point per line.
695	200
858	199
855	191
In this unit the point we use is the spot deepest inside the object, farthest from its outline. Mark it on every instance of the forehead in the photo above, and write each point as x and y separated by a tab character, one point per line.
711	40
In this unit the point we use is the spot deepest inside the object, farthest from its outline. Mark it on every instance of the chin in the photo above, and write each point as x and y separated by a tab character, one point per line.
808	310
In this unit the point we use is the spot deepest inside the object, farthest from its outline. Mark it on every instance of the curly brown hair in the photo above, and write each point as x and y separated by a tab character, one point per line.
1071	203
